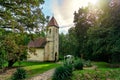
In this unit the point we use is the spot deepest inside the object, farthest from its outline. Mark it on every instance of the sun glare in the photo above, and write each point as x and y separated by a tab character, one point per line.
93	1
85	2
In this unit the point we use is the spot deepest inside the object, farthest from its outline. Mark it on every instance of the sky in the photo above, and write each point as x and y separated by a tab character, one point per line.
63	11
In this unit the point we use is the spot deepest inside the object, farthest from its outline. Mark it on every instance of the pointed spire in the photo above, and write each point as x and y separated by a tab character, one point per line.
53	22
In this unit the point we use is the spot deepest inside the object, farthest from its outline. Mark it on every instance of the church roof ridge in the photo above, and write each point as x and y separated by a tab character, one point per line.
53	22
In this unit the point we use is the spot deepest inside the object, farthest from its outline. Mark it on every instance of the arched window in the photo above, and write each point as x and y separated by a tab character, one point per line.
50	31
56	30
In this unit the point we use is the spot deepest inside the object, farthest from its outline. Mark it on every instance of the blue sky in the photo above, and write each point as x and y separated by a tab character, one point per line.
63	11
47	8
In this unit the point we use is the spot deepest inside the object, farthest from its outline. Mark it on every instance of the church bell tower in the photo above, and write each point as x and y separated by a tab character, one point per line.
53	40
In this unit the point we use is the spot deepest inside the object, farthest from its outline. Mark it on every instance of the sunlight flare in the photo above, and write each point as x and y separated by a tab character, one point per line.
86	2
92	1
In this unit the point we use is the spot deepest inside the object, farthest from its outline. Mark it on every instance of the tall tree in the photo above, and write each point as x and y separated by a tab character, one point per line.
83	19
21	14
68	44
104	39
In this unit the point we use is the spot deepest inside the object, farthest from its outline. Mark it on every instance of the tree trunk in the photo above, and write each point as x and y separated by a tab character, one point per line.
10	63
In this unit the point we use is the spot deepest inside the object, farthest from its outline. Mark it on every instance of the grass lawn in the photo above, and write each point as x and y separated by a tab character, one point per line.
35	68
103	72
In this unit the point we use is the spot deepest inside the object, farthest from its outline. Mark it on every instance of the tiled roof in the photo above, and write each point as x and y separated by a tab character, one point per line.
38	43
53	22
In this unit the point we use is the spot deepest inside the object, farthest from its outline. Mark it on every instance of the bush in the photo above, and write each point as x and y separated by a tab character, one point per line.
20	74
78	64
87	63
115	58
62	73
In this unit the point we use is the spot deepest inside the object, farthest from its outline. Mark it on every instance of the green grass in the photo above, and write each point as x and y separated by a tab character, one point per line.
103	72
101	64
35	68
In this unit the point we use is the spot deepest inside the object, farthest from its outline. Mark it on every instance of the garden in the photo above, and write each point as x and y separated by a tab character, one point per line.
87	70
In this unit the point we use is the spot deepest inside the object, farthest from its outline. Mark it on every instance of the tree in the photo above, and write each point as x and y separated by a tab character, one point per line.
73	43
62	44
85	18
104	39
19	16
68	44
13	47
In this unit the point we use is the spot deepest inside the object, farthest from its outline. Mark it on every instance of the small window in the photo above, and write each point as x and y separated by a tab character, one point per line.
56	30
49	30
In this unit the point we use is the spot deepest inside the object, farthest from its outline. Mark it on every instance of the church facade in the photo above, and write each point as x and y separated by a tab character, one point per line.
46	49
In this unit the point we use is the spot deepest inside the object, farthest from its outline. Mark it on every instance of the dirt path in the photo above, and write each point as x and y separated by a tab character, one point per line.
44	76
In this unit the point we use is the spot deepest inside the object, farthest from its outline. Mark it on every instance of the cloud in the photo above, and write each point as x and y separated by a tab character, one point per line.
63	11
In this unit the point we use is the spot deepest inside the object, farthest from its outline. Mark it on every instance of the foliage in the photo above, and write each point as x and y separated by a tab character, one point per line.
37	67
68	43
78	64
20	74
104	38
97	29
17	18
13	46
62	73
83	20
2	58
87	63
102	72
69	65
21	15
16	50
34	68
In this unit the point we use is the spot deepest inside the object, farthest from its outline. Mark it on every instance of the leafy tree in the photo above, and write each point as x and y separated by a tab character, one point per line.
68	43
83	19
21	14
97	30
18	16
13	47
104	39
62	44
73	43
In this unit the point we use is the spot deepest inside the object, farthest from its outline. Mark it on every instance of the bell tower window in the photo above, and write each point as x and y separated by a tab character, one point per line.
50	31
56	30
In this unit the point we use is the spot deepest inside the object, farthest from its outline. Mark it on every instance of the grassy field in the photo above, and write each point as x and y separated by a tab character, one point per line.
35	68
32	68
102	72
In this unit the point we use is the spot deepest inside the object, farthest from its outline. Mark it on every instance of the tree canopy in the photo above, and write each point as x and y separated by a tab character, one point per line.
16	18
21	14
97	29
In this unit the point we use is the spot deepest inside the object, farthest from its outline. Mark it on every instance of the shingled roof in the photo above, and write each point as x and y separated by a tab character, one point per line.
37	43
53	22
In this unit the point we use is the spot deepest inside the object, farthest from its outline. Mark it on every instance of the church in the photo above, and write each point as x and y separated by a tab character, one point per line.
46	49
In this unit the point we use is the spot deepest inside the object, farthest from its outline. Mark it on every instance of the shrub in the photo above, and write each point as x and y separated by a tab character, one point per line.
62	73
87	63
20	74
78	64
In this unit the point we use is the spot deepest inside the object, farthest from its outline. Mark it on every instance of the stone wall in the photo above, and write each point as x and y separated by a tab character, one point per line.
38	55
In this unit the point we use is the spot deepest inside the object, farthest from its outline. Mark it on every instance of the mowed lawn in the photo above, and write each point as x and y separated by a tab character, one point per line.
32	68
35	68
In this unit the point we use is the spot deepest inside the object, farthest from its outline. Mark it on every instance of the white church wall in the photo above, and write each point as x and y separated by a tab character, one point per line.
37	56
